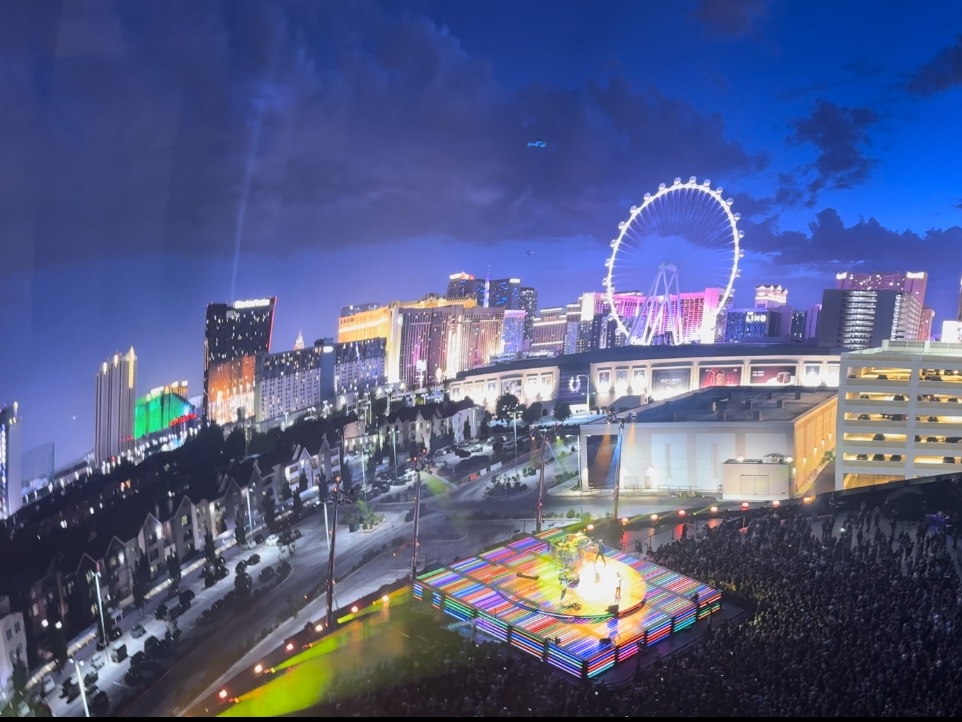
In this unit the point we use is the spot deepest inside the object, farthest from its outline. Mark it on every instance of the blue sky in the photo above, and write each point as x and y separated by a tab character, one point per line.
382	146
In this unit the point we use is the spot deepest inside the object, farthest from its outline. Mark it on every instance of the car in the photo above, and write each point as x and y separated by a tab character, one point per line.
118	653
97	661
283	569
138	659
253	559
207	616
90	679
258	538
896	457
161	612
47	685
99	703
267	573
138	631
115	633
151	645
70	690
241	567
297	533
135	677
186	597
221	573
272	540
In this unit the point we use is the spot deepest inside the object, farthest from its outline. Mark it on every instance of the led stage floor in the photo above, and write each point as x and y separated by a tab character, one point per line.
516	593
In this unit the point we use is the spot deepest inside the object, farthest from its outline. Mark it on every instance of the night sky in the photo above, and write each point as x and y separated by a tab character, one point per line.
158	155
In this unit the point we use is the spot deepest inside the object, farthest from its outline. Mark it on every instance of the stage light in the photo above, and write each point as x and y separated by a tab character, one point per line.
258	668
714	510
776	503
807	499
354	609
386	599
681	512
654	517
222	694
624	520
744	505
290	647
318	627
590	527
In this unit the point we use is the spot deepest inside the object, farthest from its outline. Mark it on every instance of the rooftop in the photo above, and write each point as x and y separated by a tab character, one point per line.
734	403
913	348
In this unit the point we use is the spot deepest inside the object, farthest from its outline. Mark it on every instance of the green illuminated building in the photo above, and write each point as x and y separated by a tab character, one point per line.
161	408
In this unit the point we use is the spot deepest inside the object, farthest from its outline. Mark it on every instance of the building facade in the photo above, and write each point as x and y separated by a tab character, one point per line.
899	413
11	461
360	366
236	330
913	283
116	400
289	381
231	391
13	641
548	331
861	319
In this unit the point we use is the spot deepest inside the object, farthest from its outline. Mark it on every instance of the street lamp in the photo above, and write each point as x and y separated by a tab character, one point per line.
80	681
100	606
394	441
539	519
418	464
250	518
621	451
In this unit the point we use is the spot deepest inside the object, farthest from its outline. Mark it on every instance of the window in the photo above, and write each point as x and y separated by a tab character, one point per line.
154	554
9	634
16	628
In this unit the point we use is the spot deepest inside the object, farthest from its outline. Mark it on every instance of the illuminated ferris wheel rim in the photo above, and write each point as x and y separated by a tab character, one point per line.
663	190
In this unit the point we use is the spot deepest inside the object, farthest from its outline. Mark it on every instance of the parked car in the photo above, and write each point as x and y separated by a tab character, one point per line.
221	573
161	612
283	569
253	559
47	685
135	677
90	679
267	573
70	690
118	653
186	597
272	540
138	631
138	659
258	538
241	567
99	703
98	661
151	645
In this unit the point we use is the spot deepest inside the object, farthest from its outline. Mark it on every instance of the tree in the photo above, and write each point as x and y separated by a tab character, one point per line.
485	431
58	643
269	508
532	414
562	410
346	477
173	568
210	549
506	407
466	433
235	445
302	483
240	529
19	677
141	580
298	503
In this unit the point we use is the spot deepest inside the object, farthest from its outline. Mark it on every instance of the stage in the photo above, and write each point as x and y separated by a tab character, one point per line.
569	601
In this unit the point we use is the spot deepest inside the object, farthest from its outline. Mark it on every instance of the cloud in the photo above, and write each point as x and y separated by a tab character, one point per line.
134	123
840	136
731	18
941	73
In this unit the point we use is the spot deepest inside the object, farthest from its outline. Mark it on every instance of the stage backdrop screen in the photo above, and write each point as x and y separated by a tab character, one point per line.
719	376
600	455
773	375
573	386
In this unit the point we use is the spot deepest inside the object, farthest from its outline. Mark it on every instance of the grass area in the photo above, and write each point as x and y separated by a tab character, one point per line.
368	637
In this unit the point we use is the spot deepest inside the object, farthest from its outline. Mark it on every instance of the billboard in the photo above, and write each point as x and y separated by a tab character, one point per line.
719	376
639	381
772	375
573	386
231	390
666	383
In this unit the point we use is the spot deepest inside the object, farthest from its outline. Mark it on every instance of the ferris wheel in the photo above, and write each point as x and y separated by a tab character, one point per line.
685	230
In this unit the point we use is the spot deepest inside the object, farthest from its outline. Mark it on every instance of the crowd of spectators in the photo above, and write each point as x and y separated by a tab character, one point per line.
854	616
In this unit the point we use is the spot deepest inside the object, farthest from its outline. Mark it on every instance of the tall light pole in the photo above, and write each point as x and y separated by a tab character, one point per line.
337	498
418	463
250	518
100	607
621	451
394	440
80	682
540	517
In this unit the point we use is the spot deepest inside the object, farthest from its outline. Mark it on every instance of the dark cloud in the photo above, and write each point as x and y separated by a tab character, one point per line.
942	72
135	124
830	245
731	18
840	135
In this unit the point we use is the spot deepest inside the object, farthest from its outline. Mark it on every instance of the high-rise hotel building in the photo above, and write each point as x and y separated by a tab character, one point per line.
912	283
11	477
234	331
861	319
116	402
291	381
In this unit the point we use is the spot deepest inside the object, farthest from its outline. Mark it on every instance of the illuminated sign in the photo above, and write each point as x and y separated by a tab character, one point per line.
753	317
915	274
772	375
255	303
710	376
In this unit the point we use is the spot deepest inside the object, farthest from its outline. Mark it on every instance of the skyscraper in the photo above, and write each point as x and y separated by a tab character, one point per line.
11	479
855	320
116	401
235	330
464	285
770	296
911	282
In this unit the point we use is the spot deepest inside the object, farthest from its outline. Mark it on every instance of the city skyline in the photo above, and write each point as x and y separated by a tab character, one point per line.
333	156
